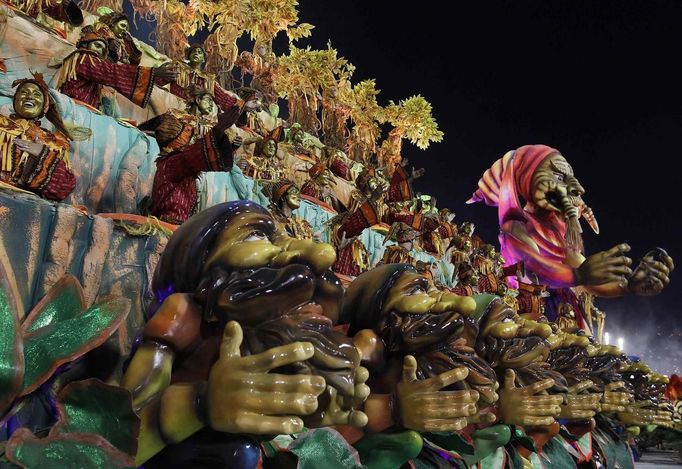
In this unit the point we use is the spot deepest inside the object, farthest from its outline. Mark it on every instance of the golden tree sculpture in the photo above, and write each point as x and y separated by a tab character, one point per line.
412	119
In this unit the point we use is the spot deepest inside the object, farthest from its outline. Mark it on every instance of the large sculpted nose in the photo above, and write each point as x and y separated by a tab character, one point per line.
575	188
318	256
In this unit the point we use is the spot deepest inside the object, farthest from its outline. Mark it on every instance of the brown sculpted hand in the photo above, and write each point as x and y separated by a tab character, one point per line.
615	397
424	407
525	406
606	267
244	397
579	405
637	415
343	411
651	275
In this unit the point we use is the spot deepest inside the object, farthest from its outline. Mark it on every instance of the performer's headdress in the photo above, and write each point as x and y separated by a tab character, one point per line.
277	190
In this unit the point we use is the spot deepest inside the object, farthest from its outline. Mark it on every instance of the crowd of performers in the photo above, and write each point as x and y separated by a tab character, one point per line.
262	338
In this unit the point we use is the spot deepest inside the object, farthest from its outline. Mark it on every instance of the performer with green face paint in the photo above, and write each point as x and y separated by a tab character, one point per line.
33	158
122	47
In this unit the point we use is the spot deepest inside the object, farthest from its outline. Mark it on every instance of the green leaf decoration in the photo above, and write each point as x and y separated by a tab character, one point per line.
67	450
11	346
61	342
451	441
92	406
567	435
324	447
389	450
64	301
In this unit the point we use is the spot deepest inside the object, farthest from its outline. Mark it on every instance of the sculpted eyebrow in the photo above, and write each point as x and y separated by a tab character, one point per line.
260	224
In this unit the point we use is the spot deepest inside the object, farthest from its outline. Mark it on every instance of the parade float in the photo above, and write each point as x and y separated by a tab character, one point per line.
191	277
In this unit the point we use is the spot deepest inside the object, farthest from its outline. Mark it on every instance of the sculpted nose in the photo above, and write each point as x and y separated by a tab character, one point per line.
575	188
318	256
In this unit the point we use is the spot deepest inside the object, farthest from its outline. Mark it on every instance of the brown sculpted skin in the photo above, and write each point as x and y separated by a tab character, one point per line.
517	349
540	204
409	335
250	344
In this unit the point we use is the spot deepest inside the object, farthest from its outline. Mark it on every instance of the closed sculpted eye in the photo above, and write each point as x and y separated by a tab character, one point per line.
256	235
417	290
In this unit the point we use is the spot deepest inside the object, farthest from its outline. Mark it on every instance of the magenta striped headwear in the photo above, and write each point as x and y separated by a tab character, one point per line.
510	178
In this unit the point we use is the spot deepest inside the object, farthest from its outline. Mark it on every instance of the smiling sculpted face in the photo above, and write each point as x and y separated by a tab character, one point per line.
29	101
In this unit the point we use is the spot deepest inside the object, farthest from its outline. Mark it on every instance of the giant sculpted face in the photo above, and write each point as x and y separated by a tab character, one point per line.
239	267
539	201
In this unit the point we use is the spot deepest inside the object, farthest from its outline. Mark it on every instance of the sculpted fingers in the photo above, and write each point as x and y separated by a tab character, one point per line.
279	356
577	414
444	380
444	425
448	397
274	382
409	369
617	250
450	411
613	386
232	340
542	411
247	422
538	386
537	421
580	387
281	403
509	379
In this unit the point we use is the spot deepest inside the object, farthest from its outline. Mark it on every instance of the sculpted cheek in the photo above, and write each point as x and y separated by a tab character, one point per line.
250	255
418	304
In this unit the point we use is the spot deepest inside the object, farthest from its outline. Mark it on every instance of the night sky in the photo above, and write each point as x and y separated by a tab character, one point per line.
599	81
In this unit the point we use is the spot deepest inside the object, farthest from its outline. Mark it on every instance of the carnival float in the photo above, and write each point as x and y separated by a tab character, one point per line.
214	257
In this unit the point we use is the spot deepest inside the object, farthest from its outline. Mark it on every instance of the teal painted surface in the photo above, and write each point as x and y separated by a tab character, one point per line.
44	240
110	177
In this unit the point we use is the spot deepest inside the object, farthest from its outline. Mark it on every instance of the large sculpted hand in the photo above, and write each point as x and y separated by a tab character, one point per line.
606	267
339	410
525	406
243	397
579	405
636	415
424	407
651	275
616	397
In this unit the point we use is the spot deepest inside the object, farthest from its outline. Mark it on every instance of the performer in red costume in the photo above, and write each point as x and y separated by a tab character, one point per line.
65	10
539	202
85	71
174	193
191	73
33	158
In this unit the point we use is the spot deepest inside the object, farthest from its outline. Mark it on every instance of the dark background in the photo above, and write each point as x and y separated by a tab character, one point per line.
599	80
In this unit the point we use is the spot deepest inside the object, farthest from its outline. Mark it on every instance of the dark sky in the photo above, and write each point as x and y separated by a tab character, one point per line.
599	80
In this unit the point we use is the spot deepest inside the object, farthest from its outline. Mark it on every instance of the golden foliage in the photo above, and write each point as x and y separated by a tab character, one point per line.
413	119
